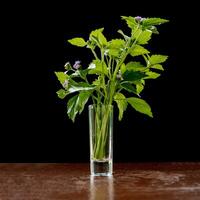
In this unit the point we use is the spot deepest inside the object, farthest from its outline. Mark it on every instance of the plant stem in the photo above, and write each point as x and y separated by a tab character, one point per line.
129	46
102	131
94	53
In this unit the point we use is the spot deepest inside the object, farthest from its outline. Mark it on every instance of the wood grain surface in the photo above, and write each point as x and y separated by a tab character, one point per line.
134	181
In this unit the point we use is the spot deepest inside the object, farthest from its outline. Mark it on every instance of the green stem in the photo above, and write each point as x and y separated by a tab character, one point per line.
102	132
94	53
129	46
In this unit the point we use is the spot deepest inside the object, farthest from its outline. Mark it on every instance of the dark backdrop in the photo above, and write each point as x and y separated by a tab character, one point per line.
34	123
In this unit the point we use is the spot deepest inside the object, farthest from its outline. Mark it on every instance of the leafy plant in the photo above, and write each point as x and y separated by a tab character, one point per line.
109	77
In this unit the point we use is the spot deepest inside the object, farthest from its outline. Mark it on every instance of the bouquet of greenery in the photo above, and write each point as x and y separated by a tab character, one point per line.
109	77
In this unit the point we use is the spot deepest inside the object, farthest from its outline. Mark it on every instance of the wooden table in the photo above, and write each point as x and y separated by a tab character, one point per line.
137	181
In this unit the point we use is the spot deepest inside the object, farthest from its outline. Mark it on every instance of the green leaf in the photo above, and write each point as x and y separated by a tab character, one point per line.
129	87
156	59
62	77
102	39
139	88
81	86
120	99
80	42
157	66
136	33
142	81
153	29
140	105
153	21
144	37
82	73
116	43
97	67
123	68
130	21
96	82
98	37
135	66
62	93
133	75
77	103
67	66
138	50
114	52
83	98
72	107
152	75
115	47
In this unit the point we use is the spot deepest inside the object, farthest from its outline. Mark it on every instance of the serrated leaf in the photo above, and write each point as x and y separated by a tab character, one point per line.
116	43
62	93
102	39
114	52
135	66
120	99
80	42
153	21
144	37
96	32
130	21
139	82
133	75
157	66
62	77
138	50
139	88
98	37
97	82
115	47
153	29
152	75
136	33
156	59
140	105
97	67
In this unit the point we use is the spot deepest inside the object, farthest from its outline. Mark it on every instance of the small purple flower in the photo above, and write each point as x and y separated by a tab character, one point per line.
138	19
77	64
65	84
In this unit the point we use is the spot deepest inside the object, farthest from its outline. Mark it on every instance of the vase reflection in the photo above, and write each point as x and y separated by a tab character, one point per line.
101	188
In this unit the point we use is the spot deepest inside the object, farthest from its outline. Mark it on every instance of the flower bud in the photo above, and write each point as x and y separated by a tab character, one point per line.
67	66
119	75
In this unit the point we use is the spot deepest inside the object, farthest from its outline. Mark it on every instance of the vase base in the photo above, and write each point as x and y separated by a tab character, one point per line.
101	168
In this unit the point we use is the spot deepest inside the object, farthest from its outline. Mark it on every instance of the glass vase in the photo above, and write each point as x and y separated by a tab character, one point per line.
101	139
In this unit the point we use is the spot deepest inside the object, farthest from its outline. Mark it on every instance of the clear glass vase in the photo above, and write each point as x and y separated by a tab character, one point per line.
101	139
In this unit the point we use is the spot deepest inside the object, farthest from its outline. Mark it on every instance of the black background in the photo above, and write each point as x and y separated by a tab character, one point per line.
34	123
